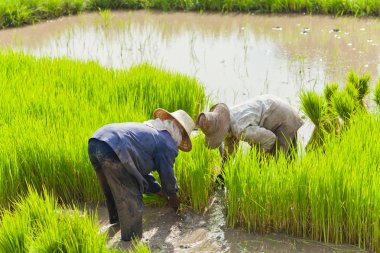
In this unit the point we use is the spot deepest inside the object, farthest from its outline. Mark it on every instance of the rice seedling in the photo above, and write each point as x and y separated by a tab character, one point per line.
331	194
329	91
47	117
377	92
154	200
196	172
316	109
39	224
360	83
106	16
344	105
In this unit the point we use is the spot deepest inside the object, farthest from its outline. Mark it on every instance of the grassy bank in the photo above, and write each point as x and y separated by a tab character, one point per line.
331	195
50	107
15	13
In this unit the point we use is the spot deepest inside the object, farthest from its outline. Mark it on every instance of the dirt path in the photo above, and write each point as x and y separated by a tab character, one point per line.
166	231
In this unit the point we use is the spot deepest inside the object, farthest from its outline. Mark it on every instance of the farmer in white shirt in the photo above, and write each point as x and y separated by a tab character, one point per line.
266	121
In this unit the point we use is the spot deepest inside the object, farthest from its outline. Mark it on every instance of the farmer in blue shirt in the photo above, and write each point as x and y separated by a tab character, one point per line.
124	155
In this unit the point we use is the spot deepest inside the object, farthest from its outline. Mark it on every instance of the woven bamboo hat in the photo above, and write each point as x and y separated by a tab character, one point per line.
184	120
214	124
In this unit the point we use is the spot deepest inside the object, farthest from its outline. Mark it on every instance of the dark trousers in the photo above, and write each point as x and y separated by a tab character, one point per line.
121	190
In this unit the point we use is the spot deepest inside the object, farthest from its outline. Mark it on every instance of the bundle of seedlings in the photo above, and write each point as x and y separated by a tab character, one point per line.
331	113
319	112
360	83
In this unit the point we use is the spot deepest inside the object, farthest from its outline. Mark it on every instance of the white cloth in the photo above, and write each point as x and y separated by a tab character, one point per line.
263	120
166	125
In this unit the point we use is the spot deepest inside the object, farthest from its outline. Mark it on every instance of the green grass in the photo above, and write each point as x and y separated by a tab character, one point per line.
22	12
330	195
50	107
38	223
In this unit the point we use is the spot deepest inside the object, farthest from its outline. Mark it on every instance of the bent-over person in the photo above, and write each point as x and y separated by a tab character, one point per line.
124	155
266	121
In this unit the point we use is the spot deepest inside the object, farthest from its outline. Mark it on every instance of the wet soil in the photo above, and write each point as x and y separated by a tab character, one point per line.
168	231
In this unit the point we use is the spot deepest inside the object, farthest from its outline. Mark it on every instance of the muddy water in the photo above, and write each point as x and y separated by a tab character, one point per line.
234	56
166	231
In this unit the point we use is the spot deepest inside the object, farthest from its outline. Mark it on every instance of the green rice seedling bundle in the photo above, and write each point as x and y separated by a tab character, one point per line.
38	224
50	108
344	105
361	84
326	111
329	91
330	195
196	173
317	110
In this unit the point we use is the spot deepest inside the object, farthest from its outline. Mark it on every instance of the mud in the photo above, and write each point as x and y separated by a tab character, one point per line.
167	231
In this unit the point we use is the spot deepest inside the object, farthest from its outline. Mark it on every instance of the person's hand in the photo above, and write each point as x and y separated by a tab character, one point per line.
162	194
174	202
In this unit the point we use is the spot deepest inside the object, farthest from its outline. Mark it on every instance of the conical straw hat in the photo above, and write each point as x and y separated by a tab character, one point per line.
214	124
184	120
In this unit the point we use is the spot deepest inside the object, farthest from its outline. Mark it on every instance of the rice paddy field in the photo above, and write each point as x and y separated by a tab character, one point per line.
51	106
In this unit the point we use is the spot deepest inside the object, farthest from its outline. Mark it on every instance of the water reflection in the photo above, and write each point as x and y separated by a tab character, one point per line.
234	56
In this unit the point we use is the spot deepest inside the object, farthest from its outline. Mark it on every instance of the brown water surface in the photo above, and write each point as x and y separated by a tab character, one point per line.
235	56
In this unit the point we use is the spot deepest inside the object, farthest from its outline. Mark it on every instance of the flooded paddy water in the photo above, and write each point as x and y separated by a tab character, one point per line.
235	57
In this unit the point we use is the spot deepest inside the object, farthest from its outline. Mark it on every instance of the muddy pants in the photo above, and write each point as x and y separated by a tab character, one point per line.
121	190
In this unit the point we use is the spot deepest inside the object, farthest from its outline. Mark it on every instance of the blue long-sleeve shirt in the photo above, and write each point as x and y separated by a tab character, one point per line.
143	149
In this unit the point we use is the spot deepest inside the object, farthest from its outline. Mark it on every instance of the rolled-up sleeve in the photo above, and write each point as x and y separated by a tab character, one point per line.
259	135
165	162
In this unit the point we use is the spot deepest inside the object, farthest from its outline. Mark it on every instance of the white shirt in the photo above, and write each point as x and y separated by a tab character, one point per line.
261	120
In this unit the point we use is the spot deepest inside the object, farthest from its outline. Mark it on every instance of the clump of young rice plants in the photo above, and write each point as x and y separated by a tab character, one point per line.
344	105
106	16
326	112
38	223
196	173
330	195
316	108
47	117
377	93
361	84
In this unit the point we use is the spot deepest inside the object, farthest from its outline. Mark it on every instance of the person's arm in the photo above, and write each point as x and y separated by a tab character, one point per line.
265	138
165	162
228	146
153	185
